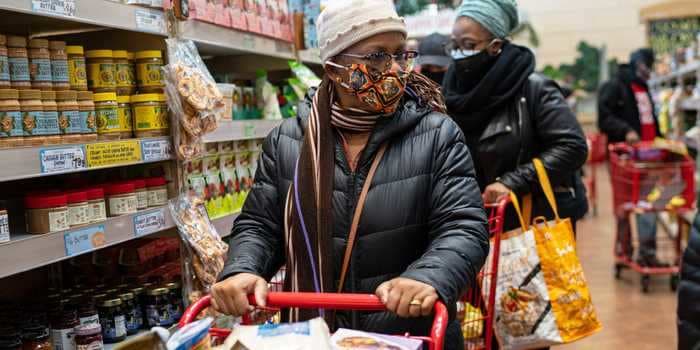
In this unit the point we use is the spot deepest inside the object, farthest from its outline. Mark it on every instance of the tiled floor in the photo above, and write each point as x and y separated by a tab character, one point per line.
631	320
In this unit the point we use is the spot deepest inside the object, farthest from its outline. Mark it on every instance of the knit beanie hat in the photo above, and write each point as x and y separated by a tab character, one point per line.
500	17
344	23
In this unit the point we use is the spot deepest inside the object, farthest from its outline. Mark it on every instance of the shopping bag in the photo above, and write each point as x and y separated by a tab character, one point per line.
542	298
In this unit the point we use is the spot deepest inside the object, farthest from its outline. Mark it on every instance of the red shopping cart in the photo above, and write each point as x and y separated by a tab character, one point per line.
649	179
597	154
357	302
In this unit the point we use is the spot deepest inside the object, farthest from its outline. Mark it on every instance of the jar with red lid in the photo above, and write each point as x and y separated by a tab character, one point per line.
141	193
157	191
46	212
89	337
97	210
121	199
78	209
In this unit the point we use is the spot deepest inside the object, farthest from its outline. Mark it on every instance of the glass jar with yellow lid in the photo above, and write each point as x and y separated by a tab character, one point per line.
86	105
150	115
77	72
125	118
148	75
108	125
125	83
101	70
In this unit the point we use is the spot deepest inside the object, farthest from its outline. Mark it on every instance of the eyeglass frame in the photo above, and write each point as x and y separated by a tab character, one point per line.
449	46
387	62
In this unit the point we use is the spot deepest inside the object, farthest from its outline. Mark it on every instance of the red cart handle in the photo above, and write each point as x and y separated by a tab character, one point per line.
357	302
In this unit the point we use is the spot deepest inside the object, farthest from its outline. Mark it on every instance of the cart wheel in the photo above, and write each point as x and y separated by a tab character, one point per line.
646	281
618	271
674	282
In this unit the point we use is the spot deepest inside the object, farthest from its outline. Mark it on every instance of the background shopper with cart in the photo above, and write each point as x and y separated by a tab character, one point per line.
422	234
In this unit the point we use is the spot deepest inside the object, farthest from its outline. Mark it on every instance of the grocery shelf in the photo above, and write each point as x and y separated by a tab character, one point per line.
691	104
312	56
212	39
242	130
690	68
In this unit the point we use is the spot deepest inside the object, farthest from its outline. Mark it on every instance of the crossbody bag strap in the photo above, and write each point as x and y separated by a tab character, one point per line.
352	235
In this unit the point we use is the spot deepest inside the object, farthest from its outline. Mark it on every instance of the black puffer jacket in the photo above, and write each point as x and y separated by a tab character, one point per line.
689	293
423	218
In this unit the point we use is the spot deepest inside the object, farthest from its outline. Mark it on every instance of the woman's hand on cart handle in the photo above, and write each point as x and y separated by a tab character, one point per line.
407	298
495	192
230	296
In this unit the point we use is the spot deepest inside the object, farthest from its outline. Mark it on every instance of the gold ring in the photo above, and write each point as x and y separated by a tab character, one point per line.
415	302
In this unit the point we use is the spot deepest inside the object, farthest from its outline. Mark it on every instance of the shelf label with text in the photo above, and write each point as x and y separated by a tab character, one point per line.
64	8
156	150
113	153
150	222
55	160
84	240
150	21
249	130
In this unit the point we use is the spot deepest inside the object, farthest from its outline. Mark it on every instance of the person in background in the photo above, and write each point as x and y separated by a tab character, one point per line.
432	59
689	292
511	115
626	113
422	235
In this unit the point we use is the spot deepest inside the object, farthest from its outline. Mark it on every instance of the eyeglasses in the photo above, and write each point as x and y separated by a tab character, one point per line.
382	60
464	47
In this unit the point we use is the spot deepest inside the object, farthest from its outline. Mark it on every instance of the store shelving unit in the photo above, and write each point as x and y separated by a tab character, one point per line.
691	69
242	130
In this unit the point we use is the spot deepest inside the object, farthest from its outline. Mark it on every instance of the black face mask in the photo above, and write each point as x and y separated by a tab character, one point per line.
473	68
435	76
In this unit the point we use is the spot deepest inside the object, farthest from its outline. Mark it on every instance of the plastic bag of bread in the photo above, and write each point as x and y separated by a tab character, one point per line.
309	335
193	97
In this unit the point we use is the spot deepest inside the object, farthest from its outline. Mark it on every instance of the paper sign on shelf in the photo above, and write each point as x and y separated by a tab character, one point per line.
150	21
156	150
151	222
249	130
64	8
54	160
112	153
84	239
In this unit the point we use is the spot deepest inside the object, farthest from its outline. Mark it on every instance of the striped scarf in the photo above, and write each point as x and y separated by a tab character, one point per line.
353	119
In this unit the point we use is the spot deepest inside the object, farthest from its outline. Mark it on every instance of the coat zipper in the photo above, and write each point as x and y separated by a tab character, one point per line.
520	129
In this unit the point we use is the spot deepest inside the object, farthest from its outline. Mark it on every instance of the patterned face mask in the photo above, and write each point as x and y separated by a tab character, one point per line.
381	92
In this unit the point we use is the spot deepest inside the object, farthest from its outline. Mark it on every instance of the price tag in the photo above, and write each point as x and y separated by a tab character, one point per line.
112	153
150	21
150	222
55	160
156	150
84	240
64	8
249	130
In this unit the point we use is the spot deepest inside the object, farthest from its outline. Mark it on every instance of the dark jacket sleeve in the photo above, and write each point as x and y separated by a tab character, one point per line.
558	138
257	245
610	121
458	228
689	293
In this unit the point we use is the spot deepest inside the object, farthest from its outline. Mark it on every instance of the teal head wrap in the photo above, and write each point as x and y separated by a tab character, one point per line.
500	17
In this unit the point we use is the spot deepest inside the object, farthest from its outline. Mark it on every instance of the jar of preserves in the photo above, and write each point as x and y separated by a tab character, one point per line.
69	121
78	208
18	58
31	109
62	326
46	212
87	312
89	337
133	324
101	71
108	125
125	84
77	71
125	119
112	320
97	208
157	191
10	119
150	115
140	296
86	105
148	75
141	193
121	199
4	64
158	308
176	305
59	65
40	64
36	337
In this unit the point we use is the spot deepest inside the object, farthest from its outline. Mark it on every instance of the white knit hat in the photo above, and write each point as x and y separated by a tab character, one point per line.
344	23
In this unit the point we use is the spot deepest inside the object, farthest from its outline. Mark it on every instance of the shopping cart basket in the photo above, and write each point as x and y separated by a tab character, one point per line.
647	179
356	302
477	326
597	154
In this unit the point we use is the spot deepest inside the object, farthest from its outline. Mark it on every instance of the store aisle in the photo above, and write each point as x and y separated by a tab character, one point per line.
631	320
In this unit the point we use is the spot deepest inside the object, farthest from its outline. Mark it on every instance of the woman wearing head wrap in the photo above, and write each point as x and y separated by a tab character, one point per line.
422	234
510	115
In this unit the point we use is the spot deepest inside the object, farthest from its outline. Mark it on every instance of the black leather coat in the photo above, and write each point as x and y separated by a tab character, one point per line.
423	218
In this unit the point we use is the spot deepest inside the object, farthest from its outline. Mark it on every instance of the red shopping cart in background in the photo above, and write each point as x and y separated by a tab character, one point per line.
650	179
597	154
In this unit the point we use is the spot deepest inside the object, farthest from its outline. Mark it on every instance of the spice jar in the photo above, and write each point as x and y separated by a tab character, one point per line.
112	320
124	78
141	193
157	191
86	105
89	337
59	65
97	211
100	70
121	199
10	119
62	326
125	118
130	307
18	58
108	126
46	213
176	306
148	75
77	71
4	64
78	208
36	338
158	308
47	122
31	109
150	115
40	64
87	313
69	120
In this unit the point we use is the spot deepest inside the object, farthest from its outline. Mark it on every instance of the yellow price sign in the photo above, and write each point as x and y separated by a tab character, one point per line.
112	153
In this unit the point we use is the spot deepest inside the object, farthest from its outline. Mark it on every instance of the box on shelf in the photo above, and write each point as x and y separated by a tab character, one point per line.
237	13
222	15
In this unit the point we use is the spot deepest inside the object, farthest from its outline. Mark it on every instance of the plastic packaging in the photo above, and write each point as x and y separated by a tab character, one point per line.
305	75
267	97
192	336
